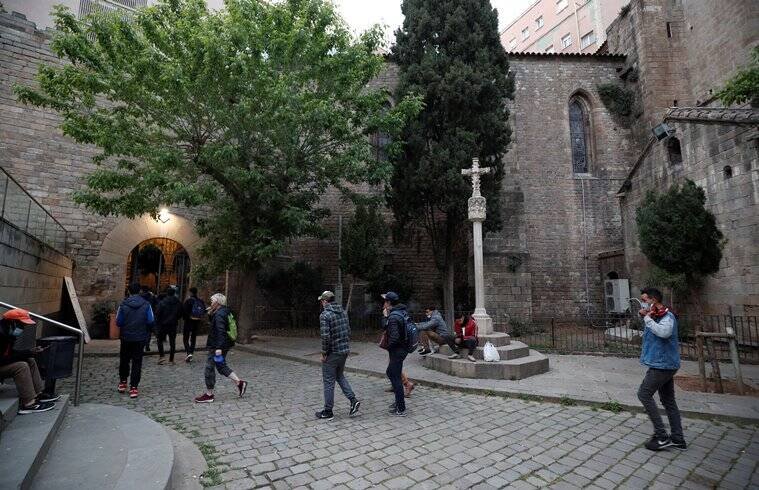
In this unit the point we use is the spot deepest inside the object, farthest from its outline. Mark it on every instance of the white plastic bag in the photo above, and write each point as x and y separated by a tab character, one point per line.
491	353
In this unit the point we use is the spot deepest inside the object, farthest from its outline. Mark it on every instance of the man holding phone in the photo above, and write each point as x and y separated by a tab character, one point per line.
21	365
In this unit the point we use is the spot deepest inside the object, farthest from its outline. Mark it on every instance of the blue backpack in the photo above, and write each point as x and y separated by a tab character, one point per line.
198	309
412	333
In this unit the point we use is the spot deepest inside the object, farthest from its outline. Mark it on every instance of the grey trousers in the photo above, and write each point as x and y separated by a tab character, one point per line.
212	366
333	369
661	380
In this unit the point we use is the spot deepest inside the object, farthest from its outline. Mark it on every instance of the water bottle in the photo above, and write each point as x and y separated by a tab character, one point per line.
218	359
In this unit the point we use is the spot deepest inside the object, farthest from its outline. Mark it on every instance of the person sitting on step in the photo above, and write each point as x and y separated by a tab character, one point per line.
21	366
466	335
434	330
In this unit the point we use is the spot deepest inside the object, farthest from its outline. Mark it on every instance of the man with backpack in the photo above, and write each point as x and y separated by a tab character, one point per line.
400	334
221	338
193	311
168	313
335	336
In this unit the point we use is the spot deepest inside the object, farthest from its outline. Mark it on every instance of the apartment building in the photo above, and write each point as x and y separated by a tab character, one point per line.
561	26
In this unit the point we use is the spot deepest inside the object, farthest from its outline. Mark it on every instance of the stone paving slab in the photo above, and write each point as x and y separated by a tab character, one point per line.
582	378
450	439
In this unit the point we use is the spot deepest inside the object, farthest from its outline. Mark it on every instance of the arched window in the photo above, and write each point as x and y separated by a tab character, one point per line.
579	132
674	151
727	172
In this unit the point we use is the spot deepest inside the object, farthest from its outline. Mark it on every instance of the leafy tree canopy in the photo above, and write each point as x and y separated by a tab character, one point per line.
678	234
251	112
364	239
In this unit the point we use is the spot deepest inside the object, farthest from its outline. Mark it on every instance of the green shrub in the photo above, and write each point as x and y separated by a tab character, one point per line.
617	99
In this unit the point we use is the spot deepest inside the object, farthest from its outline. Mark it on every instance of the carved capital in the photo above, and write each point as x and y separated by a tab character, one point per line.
477	208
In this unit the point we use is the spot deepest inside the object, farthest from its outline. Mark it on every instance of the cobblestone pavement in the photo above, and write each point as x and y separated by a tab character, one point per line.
449	439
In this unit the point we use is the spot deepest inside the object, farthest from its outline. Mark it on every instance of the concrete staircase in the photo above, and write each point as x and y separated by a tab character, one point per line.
92	446
518	361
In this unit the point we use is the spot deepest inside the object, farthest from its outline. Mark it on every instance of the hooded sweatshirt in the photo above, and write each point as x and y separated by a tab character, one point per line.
135	319
335	330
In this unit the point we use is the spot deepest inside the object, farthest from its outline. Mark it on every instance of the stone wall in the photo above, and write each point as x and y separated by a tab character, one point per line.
557	222
31	273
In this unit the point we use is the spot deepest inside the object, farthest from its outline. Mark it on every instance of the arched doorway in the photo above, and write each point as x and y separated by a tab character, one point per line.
159	263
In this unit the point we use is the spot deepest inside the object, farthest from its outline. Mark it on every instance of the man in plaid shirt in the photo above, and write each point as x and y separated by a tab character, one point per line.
335	334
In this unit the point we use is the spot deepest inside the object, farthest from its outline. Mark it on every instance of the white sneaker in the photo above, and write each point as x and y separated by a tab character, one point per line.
454	356
471	358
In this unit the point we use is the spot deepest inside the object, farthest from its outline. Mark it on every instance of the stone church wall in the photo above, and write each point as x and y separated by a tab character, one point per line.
557	222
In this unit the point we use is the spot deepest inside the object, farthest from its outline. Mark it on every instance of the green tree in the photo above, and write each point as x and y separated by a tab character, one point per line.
679	235
744	85
251	112
450	53
363	244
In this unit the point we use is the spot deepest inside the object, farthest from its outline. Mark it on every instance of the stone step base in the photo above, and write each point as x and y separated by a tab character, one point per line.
8	403
498	339
521	368
514	350
25	443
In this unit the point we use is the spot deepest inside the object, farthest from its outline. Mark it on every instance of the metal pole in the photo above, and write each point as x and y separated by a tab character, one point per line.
339	286
701	363
78	381
553	333
734	353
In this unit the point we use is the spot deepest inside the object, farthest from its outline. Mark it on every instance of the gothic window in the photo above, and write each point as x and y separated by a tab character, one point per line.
674	151
579	130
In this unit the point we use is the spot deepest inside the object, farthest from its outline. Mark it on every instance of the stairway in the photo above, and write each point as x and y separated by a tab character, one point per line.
518	361
92	446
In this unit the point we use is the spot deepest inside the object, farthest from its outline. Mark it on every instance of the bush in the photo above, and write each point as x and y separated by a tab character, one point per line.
99	327
617	99
295	287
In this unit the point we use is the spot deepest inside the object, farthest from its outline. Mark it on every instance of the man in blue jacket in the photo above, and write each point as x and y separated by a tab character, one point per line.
661	354
135	320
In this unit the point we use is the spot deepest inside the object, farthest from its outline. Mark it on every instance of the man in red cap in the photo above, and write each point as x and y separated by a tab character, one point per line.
20	365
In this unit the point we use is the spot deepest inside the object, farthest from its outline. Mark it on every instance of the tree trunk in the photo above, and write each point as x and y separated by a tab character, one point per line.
448	279
245	305
350	297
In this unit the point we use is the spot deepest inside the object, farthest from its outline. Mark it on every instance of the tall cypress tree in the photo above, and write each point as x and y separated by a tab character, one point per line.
449	53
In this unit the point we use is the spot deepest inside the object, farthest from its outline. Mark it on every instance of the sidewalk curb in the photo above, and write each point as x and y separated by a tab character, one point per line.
635	409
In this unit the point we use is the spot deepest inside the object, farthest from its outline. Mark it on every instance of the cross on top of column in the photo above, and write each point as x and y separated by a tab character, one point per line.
475	172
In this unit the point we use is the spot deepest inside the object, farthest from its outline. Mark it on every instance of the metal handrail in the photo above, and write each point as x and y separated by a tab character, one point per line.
80	333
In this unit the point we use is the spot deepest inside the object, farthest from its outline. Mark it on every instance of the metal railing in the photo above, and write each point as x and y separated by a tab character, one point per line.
68	328
21	210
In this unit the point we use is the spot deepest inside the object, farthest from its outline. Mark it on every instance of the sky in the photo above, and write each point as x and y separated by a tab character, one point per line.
361	14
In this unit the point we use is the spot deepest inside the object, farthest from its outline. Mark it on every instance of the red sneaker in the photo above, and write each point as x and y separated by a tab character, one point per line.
122	387
204	398
133	392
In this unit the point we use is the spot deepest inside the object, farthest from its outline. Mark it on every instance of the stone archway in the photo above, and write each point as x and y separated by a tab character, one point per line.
128	233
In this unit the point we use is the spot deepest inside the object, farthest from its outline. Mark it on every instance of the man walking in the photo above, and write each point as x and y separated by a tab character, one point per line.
218	344
661	354
335	334
395	330
168	315
193	311
135	320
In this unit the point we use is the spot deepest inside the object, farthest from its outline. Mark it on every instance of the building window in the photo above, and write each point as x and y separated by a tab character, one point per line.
669	29
512	44
587	40
539	22
525	33
566	41
561	5
727	172
550	49
579	133
674	152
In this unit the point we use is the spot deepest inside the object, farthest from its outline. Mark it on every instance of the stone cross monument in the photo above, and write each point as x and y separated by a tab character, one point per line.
477	216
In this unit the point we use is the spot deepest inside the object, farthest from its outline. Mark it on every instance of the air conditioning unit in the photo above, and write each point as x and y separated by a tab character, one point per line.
617	295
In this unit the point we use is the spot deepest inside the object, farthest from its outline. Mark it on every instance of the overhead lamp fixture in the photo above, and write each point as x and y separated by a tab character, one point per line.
164	216
663	131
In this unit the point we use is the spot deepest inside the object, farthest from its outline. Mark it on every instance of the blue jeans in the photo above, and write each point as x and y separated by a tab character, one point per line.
394	370
333	369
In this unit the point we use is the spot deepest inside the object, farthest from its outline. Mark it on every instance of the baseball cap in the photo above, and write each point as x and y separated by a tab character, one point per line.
19	315
391	296
326	295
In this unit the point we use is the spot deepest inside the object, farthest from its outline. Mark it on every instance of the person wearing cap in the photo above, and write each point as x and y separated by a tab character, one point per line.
395	329
335	336
21	366
218	345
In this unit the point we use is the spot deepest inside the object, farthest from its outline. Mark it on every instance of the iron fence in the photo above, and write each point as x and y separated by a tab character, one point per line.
604	334
21	210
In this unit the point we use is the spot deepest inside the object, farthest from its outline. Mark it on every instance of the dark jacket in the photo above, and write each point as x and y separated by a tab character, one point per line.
7	354
217	334
335	330
395	326
135	319
169	312
187	308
